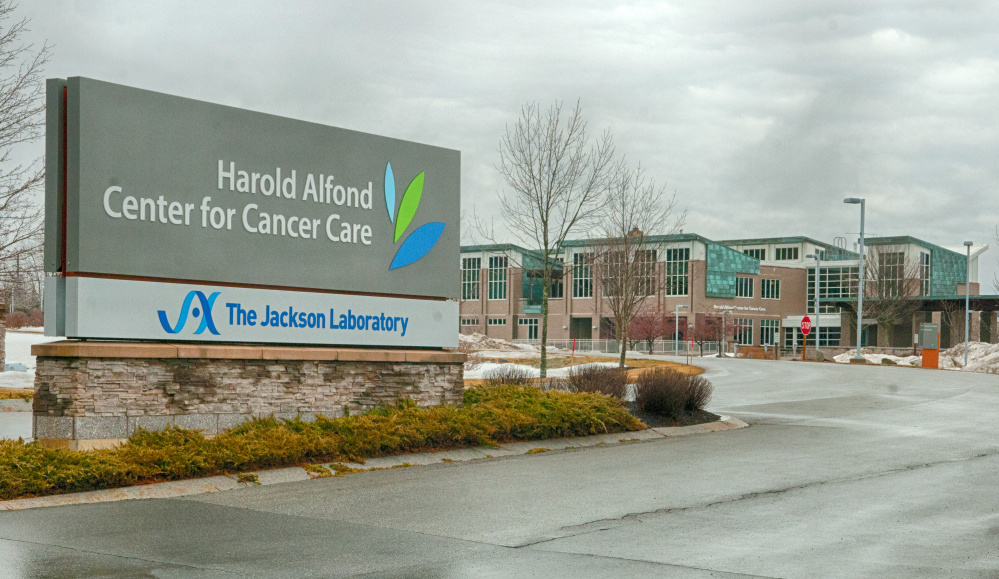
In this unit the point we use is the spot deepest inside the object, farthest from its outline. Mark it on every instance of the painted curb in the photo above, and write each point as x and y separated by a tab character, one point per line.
214	484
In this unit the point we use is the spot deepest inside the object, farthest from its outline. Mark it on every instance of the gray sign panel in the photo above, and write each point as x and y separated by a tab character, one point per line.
115	309
159	186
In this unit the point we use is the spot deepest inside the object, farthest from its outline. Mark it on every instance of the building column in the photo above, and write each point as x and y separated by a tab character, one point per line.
976	326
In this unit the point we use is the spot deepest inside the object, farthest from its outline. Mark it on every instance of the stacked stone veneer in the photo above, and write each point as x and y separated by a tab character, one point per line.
87	397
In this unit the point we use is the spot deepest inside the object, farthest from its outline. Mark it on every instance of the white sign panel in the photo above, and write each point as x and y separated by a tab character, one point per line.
122	309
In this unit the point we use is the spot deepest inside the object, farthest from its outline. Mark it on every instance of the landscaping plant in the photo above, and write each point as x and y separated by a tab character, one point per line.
489	416
593	378
666	392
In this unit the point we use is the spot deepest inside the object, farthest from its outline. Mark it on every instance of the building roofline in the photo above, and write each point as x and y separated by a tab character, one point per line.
789	239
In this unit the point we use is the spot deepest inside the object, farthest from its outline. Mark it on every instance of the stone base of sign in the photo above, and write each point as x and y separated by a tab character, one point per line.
96	394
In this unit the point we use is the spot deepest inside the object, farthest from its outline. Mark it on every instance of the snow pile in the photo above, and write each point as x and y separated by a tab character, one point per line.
844	358
482	370
19	352
982	357
479	341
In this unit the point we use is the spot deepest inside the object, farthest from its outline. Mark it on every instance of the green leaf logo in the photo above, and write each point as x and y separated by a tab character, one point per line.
407	207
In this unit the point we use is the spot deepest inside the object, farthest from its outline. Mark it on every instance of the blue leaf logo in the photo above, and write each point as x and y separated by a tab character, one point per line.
390	192
420	242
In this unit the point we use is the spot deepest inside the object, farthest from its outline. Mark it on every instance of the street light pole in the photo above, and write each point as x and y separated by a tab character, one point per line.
967	301
818	300
676	329
860	284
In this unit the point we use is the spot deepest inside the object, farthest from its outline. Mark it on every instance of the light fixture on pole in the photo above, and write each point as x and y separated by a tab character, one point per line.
818	300
676	328
967	301
860	283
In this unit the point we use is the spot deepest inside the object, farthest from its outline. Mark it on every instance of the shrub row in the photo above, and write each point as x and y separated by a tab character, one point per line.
490	416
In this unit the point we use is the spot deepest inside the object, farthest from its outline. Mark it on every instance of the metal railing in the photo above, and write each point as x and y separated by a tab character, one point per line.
613	347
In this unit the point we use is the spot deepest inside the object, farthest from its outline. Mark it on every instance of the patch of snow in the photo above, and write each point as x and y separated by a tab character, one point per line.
982	357
479	341
871	358
18	345
483	369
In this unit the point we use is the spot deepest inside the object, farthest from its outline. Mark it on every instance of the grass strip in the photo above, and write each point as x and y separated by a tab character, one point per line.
15	393
489	416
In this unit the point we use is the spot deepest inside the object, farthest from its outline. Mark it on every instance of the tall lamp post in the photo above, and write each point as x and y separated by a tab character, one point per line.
967	302
676	328
860	284
818	300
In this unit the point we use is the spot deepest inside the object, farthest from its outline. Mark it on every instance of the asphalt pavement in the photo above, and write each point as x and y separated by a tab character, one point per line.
845	471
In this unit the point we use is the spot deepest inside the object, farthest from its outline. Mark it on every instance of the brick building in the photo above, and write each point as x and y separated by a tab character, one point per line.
763	286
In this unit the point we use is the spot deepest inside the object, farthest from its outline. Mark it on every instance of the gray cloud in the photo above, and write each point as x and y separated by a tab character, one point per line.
760	115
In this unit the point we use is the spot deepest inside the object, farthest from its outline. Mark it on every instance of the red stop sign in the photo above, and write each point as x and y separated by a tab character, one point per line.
806	325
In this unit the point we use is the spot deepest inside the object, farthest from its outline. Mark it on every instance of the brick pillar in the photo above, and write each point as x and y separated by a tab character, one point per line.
976	325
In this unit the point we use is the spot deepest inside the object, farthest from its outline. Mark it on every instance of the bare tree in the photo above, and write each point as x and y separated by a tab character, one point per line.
557	176
22	104
892	279
635	224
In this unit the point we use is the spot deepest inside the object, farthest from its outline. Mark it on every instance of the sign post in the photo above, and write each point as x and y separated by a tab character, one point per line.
806	327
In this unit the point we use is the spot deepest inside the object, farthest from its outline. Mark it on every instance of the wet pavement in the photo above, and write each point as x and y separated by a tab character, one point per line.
15	425
846	471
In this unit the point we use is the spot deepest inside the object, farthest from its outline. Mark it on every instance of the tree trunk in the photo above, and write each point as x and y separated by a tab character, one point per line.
624	345
545	282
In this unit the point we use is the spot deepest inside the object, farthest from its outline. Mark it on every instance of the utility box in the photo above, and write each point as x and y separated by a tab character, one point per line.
929	333
929	341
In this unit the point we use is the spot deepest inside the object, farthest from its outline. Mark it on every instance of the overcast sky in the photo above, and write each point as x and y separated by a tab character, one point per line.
760	115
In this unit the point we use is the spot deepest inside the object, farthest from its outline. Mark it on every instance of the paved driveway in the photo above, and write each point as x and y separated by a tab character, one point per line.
845	472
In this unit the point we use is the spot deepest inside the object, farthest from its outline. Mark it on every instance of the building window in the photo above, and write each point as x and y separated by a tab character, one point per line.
787	253
470	267
768	332
834	282
760	254
677	271
743	287
770	289
556	291
469	321
828	336
890	269
530	325
582	275
924	273
744	331
640	273
495	321
497	277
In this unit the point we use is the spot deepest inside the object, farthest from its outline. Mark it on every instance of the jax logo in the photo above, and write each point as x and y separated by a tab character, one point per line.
206	307
424	238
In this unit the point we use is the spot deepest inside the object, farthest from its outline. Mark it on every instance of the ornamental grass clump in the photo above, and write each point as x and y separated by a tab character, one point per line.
508	375
489	416
668	393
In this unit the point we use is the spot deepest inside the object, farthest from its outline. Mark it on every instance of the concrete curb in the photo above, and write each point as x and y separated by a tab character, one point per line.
292	474
15	405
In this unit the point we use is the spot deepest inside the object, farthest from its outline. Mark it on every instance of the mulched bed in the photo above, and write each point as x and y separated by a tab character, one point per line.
686	419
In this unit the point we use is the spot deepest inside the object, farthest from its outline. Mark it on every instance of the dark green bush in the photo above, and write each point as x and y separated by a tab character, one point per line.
592	378
490	416
669	393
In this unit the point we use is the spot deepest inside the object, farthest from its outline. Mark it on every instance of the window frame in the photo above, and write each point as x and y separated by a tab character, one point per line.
470	278
769	287
497	277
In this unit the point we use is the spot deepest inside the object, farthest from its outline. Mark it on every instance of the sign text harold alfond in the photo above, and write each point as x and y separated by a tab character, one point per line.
164	187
